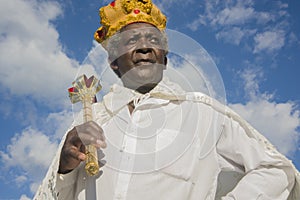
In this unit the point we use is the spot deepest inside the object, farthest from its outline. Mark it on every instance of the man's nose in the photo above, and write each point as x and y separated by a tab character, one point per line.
143	46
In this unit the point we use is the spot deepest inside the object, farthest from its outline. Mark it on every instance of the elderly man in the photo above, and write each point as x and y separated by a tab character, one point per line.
158	141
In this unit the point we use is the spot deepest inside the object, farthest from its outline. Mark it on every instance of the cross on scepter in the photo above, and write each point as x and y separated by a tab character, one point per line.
84	89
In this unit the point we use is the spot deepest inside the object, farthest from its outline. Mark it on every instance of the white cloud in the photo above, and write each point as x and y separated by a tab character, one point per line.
194	25
97	57
21	180
29	152
277	121
251	79
185	74
34	186
269	41
233	21
164	5
264	17
293	38
25	151
234	16
35	69
58	123
234	35
227	13
32	61
24	197
32	151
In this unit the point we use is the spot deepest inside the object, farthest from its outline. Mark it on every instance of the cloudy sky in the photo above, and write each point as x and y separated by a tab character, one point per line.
43	44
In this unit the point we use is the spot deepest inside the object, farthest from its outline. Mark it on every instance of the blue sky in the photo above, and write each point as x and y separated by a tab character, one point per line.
255	44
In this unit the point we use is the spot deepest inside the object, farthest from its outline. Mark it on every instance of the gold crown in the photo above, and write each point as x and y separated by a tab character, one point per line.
120	13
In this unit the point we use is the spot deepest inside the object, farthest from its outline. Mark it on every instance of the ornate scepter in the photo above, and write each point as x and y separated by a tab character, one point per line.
84	90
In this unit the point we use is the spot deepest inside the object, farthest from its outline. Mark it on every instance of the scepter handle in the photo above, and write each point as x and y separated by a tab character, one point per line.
91	166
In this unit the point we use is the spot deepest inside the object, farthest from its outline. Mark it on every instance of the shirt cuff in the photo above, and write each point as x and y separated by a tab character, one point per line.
65	180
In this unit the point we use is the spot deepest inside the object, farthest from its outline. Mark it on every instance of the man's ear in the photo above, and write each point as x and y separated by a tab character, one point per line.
114	66
165	62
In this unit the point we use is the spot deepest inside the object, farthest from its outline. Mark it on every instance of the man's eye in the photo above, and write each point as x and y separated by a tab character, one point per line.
131	41
154	40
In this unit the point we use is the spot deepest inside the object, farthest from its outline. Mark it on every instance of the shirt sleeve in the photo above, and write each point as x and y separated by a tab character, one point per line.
65	185
47	189
55	185
267	173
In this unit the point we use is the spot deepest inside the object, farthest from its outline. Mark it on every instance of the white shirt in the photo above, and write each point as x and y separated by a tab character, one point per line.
179	146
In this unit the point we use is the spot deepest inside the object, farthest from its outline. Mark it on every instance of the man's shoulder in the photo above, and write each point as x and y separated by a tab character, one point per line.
215	104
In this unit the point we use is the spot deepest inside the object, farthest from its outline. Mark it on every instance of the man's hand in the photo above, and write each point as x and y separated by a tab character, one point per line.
73	151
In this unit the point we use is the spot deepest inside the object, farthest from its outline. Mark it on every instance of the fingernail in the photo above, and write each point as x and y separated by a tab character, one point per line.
98	141
82	156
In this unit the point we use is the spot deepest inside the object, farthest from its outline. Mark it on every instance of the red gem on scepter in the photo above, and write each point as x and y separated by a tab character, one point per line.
72	89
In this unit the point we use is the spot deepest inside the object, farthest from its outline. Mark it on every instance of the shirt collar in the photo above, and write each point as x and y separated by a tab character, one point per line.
120	96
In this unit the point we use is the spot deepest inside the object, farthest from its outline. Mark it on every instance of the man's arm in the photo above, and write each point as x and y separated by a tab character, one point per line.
62	174
268	174
73	153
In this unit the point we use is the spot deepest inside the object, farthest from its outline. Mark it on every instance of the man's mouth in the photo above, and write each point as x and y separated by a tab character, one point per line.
144	62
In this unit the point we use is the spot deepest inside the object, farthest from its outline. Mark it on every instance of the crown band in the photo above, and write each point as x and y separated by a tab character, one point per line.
120	13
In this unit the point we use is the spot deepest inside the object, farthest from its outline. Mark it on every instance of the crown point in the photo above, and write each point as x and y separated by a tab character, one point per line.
113	4
101	33
136	11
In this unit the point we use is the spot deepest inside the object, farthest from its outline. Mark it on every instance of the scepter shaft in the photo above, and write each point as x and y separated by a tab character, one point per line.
84	90
91	166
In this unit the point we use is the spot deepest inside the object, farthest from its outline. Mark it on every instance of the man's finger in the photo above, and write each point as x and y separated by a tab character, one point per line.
81	156
91	128
101	143
77	154
88	139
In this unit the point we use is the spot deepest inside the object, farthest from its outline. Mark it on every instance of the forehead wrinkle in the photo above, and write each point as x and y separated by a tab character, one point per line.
142	32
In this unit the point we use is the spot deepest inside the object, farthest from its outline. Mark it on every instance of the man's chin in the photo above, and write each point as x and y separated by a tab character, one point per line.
142	85
144	77
139	85
146	88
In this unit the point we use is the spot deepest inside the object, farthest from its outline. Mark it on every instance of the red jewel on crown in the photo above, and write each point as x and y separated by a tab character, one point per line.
136	11
113	4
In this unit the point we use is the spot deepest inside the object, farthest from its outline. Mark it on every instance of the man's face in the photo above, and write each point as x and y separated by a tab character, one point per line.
141	59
